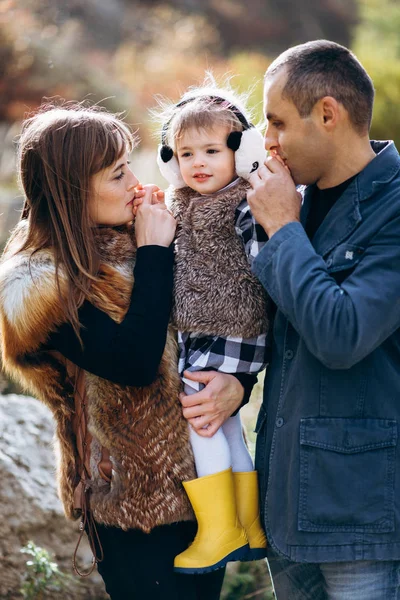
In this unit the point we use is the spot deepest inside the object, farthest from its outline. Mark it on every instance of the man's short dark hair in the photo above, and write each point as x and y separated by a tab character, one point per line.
323	68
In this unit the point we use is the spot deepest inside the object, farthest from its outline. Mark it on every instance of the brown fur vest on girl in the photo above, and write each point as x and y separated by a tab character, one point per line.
142	429
215	290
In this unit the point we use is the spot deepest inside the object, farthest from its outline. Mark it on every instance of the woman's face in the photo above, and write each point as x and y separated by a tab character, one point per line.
112	194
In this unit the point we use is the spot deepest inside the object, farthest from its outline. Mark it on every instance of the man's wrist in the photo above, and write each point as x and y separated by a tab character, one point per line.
247	380
271	229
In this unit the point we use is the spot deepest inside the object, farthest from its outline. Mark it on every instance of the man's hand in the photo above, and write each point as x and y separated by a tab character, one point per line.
214	404
273	199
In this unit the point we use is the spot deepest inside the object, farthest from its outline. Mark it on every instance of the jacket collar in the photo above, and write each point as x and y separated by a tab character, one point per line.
345	215
380	170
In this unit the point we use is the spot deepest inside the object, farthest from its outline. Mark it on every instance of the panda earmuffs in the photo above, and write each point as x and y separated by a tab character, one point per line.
248	146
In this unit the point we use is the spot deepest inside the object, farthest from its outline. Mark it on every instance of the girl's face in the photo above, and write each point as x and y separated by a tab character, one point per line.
112	194
206	163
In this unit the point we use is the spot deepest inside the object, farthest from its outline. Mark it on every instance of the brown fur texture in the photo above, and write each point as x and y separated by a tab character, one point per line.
215	290
143	428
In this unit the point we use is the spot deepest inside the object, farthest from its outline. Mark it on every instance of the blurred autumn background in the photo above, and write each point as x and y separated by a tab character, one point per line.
121	53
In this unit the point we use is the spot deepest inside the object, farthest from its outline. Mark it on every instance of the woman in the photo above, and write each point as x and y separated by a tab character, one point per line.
85	298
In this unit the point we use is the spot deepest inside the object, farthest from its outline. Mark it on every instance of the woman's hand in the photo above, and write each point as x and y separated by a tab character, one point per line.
214	404
154	224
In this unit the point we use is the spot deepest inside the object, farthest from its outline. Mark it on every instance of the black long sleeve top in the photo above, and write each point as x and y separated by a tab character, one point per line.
129	352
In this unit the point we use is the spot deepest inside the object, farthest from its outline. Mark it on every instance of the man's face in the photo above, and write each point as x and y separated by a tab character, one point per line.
301	143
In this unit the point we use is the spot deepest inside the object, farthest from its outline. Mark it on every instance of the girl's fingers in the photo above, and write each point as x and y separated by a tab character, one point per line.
150	192
159	201
157	197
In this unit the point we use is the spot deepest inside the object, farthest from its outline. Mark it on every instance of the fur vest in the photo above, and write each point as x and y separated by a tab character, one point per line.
215	290
143	429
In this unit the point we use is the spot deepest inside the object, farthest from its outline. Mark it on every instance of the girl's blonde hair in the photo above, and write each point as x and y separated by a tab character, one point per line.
59	150
201	108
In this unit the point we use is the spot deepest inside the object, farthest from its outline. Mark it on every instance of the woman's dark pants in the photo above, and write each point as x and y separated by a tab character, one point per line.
139	565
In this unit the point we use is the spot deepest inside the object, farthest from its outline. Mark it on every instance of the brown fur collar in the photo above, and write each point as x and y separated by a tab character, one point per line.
143	428
215	290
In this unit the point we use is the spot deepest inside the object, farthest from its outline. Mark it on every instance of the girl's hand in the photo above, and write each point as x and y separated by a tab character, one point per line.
279	159
157	195
154	224
273	198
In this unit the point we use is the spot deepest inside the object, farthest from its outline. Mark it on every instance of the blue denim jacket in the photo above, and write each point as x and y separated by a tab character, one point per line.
327	447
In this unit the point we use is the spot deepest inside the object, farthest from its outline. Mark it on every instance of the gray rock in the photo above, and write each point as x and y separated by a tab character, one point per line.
29	506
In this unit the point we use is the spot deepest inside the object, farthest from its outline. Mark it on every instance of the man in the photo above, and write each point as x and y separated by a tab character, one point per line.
327	449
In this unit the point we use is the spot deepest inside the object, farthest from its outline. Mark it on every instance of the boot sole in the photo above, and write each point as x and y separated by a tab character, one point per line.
238	554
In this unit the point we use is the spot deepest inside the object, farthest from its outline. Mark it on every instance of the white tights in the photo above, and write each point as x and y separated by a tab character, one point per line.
226	448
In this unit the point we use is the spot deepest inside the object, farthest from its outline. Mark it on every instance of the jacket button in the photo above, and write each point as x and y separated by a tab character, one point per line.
329	262
289	354
279	422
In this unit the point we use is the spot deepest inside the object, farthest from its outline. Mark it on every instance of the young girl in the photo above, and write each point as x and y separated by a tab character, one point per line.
208	148
85	300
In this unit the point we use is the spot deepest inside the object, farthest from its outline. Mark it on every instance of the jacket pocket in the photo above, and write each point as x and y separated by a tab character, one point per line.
343	260
347	475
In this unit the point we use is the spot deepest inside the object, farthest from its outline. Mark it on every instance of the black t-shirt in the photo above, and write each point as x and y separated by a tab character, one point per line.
321	203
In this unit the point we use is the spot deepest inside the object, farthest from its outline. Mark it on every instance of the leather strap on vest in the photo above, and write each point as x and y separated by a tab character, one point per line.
83	489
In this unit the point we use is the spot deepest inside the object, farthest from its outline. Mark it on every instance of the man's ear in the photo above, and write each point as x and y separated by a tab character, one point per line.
329	110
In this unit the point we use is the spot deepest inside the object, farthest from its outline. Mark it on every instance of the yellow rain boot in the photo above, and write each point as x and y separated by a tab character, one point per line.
220	537
246	490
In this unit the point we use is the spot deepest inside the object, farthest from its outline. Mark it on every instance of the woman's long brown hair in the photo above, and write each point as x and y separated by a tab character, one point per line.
60	149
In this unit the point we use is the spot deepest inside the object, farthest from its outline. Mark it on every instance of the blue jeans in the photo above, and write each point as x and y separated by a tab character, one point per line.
355	580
